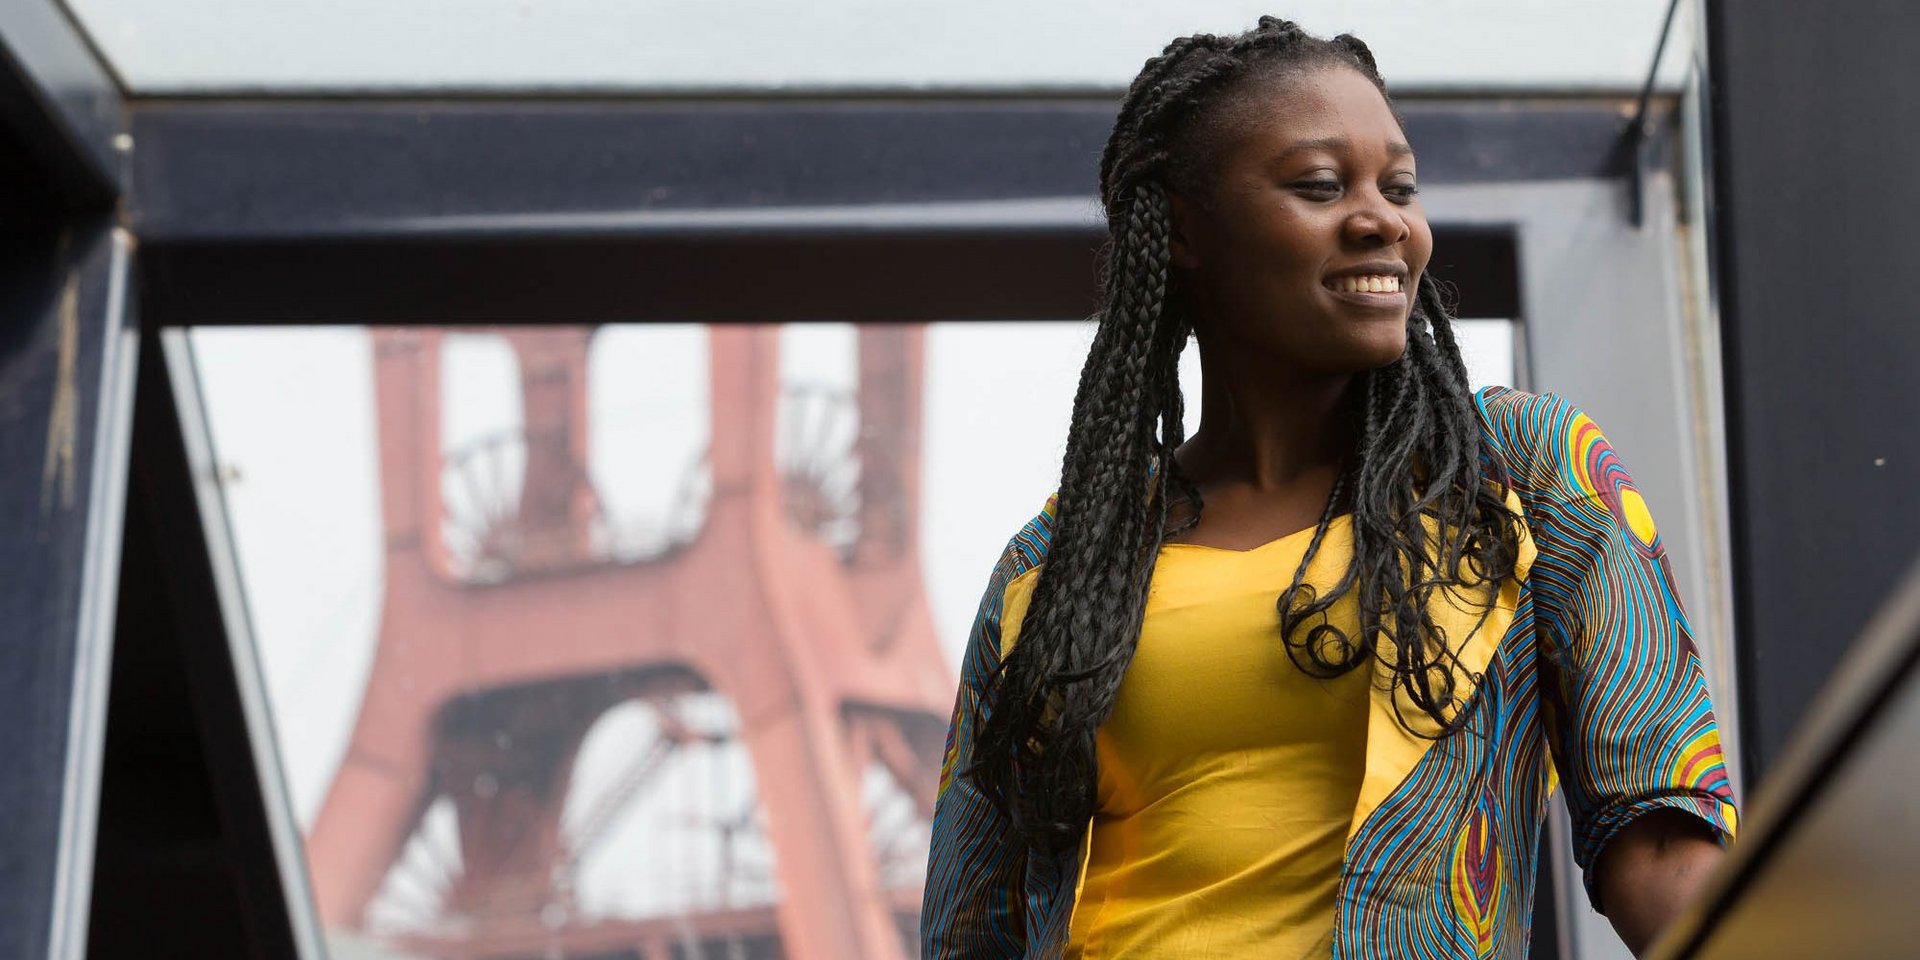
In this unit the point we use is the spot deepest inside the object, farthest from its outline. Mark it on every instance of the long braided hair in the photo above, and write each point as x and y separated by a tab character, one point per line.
1417	468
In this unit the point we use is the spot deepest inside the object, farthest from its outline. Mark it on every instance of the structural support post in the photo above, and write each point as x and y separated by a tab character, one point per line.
66	385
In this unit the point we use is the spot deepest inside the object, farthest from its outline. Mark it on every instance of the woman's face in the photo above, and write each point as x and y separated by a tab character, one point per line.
1310	240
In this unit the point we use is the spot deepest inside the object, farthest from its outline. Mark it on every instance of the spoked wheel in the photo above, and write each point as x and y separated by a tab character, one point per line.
819	430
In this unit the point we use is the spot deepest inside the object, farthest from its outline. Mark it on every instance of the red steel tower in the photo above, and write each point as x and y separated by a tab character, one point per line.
797	597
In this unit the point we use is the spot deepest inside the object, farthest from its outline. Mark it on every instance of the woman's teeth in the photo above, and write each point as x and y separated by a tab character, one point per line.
1373	284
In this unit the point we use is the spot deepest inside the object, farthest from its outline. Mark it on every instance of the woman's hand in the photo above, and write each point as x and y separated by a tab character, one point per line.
1652	870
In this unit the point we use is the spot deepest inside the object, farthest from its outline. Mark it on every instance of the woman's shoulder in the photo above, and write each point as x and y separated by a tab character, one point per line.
1004	604
1543	443
1027	550
1518	421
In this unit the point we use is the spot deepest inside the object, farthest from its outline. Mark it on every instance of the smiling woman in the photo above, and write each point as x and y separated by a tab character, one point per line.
1310	211
1288	687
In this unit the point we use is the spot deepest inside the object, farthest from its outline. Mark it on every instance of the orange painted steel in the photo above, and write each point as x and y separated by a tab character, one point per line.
828	655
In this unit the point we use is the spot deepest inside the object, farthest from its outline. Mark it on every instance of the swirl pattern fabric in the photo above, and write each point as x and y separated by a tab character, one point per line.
1596	679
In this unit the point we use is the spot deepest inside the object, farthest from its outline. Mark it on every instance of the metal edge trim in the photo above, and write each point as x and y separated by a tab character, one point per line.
99	603
288	852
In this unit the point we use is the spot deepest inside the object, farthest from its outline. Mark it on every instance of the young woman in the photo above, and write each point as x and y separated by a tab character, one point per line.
1299	685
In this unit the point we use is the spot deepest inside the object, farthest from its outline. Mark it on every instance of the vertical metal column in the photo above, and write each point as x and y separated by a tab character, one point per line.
66	355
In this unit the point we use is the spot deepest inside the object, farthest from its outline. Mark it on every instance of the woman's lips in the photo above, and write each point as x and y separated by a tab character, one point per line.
1379	291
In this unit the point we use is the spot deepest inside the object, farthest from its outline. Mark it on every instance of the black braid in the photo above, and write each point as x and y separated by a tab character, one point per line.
1417	461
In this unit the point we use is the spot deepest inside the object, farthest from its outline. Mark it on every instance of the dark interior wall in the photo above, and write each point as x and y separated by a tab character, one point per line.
1815	118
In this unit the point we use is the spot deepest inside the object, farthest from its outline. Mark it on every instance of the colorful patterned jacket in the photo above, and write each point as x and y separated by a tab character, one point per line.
1594	682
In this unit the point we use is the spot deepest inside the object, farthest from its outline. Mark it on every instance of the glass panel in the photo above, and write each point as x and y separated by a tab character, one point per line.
300	46
636	641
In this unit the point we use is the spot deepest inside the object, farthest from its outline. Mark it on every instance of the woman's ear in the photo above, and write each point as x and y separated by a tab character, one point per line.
1180	222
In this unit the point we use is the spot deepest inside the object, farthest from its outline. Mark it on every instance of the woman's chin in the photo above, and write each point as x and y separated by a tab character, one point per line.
1391	356
1384	352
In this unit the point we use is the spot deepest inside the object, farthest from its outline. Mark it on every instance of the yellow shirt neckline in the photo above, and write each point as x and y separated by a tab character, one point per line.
1334	524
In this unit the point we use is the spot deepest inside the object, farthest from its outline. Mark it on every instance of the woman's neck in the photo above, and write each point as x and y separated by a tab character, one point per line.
1267	427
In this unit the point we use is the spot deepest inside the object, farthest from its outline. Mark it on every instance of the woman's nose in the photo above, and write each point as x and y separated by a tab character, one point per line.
1378	224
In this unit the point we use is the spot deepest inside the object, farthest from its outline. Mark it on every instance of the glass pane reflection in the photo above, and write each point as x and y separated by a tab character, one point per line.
636	641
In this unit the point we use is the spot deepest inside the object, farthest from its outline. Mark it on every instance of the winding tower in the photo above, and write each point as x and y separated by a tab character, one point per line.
788	588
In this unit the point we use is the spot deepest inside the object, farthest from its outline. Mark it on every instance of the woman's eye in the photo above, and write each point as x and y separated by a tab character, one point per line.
1402	192
1317	187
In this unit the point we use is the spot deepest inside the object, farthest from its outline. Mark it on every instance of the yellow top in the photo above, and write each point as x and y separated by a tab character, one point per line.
1229	779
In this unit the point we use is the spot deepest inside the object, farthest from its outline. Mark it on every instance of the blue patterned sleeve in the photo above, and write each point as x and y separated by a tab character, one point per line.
1627	712
975	903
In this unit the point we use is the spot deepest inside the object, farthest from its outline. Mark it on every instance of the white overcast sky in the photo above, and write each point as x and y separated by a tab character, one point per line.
622	45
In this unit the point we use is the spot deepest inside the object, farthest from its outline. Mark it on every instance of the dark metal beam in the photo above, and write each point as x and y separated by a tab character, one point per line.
66	380
845	276
61	112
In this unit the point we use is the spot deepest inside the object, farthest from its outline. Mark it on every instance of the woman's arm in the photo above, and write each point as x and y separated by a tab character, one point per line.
975	904
1654	868
1623	698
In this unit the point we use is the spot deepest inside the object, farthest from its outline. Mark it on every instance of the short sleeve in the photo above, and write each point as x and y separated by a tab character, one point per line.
1628	716
975	905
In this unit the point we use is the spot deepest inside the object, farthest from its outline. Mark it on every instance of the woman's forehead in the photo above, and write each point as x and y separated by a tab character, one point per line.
1329	110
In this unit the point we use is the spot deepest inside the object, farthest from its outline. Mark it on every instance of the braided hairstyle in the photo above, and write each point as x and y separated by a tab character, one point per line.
1425	514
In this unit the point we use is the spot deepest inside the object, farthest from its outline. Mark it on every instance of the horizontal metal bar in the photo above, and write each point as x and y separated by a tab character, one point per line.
736	276
251	170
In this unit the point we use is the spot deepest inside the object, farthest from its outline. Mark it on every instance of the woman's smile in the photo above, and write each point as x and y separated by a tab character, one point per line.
1372	286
